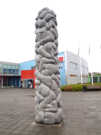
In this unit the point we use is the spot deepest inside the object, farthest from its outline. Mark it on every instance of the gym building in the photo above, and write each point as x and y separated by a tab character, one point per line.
73	70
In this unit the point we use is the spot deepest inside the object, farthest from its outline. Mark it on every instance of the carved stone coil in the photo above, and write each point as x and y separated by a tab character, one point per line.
48	108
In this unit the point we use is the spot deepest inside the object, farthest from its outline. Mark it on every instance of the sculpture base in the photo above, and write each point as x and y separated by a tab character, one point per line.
54	125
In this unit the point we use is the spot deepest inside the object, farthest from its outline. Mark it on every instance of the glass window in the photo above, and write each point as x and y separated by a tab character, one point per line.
73	65
100	79
5	66
0	69
10	71
5	71
17	71
95	79
9	66
14	66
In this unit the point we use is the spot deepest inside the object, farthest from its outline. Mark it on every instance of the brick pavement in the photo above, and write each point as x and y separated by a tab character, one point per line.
82	114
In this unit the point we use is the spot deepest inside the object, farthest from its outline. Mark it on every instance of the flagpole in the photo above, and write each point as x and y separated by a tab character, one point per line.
81	71
80	64
92	77
90	64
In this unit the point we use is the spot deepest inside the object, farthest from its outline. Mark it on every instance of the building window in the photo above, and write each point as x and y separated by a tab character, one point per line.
32	67
95	79
60	65
100	79
5	71
73	65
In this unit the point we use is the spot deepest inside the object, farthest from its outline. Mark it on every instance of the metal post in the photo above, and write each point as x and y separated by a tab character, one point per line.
89	53
92	78
80	64
81	72
2	81
7	81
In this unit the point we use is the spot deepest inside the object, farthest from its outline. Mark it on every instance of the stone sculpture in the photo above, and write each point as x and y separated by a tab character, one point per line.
48	109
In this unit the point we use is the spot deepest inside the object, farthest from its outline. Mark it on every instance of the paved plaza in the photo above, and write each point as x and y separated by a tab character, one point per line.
82	114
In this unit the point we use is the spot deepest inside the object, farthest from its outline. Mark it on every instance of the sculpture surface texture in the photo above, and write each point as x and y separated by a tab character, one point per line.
48	108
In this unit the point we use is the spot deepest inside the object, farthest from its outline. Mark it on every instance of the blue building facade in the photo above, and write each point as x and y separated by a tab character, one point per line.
29	65
62	69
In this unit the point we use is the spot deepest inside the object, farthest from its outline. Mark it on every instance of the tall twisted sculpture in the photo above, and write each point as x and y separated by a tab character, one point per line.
48	109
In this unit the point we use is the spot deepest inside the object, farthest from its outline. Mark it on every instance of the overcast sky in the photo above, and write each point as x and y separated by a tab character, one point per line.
79	26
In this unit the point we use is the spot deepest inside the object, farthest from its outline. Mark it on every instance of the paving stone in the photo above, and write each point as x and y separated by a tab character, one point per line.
82	115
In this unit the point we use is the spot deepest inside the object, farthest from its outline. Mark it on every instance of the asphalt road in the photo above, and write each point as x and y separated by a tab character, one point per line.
82	114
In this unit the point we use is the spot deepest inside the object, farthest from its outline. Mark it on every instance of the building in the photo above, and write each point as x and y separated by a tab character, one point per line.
27	72
96	77
73	69
9	74
76	68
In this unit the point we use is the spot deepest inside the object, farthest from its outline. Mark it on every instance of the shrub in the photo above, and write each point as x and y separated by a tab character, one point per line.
72	87
77	87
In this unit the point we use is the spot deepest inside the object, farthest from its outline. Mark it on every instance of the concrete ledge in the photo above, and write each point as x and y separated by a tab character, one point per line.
91	88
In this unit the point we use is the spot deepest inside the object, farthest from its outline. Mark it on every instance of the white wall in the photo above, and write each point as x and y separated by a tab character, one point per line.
76	66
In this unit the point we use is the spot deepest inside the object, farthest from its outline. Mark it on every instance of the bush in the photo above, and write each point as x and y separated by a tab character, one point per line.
78	87
72	87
